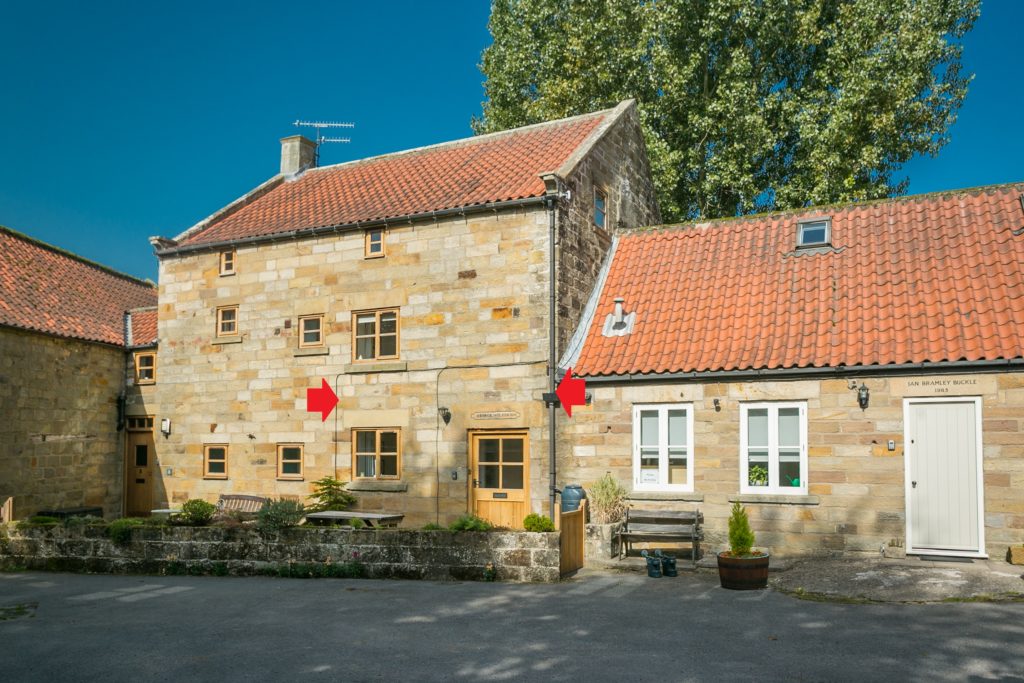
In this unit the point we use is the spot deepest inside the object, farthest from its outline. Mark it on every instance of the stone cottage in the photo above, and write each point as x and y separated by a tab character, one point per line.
853	374
68	365
418	285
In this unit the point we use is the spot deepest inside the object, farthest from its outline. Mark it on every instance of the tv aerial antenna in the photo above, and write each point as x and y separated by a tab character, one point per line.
320	137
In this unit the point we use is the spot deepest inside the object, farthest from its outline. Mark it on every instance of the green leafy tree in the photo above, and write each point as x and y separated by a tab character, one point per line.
746	105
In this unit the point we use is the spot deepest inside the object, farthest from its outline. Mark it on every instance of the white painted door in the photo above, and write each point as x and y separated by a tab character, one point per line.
944	495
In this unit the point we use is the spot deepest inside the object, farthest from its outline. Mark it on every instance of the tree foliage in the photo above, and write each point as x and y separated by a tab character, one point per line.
747	105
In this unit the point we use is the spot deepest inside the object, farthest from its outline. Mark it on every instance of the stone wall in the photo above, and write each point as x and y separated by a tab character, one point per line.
856	498
386	553
618	165
59	444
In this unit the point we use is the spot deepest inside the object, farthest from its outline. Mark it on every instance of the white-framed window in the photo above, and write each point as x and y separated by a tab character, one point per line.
663	447
773	450
814	233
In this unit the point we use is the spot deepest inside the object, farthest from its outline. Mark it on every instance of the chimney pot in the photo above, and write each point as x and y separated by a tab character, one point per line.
297	154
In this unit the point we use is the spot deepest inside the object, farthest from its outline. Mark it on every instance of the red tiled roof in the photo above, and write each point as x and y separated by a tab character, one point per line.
930	278
48	290
489	168
143	326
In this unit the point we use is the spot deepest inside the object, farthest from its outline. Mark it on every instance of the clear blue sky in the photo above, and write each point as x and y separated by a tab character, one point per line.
121	120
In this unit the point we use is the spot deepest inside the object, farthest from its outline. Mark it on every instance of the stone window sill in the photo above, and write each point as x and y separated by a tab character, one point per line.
289	478
312	351
366	368
682	496
770	499
226	340
378	486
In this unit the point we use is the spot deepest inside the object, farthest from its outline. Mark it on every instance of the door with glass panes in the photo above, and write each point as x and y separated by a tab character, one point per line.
139	464
500	477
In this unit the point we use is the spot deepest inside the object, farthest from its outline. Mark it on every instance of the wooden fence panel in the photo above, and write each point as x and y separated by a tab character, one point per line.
573	529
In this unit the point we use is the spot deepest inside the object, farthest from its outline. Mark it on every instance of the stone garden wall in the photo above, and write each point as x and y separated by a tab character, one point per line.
387	553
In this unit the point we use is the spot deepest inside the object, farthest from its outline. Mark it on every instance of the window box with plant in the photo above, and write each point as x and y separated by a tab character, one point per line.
741	567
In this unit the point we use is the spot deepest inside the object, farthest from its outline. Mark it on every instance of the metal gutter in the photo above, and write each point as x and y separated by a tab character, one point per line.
343	227
810	373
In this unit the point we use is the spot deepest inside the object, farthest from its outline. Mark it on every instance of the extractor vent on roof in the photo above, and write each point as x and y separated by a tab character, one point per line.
619	323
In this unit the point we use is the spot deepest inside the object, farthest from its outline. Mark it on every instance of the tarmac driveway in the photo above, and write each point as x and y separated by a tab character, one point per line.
599	627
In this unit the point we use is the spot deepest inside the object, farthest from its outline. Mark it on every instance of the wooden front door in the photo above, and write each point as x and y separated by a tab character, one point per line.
139	467
500	465
945	504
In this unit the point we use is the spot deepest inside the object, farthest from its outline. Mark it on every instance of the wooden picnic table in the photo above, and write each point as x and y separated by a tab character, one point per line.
371	519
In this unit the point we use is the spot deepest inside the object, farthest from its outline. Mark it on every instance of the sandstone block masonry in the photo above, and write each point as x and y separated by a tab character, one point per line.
391	553
59	444
856	485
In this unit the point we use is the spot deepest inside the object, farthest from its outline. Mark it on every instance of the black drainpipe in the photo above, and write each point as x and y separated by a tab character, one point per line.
552	360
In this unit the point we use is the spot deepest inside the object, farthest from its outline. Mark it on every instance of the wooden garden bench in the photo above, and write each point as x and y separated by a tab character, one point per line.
236	502
662	525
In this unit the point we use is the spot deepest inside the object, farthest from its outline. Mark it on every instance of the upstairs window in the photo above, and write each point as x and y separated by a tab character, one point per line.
374	243
311	331
816	233
375	334
227	262
145	368
600	209
227	321
663	447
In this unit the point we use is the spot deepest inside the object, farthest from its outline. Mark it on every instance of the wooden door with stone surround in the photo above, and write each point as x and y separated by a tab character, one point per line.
500	477
138	467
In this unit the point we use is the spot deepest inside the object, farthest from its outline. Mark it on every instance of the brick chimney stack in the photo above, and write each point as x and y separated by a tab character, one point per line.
297	154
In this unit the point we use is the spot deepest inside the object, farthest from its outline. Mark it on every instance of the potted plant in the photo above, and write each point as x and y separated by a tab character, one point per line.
607	499
741	567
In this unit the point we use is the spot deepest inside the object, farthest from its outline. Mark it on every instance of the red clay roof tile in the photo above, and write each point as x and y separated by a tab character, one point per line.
929	278
490	168
143	326
46	289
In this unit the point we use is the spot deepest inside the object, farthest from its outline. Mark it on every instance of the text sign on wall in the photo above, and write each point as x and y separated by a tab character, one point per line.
496	415
953	385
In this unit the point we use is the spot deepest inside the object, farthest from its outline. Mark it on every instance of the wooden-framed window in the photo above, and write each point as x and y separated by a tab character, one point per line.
374	243
289	461
600	208
663	447
377	453
773	448
227	321
139	424
145	367
311	331
375	334
215	461
227	262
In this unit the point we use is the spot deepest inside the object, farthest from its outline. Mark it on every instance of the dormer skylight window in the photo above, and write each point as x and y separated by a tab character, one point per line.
814	233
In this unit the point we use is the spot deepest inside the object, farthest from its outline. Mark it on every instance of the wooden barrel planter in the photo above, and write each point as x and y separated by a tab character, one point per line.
743	573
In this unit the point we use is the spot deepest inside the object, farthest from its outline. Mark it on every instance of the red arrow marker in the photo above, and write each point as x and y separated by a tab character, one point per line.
321	400
571	392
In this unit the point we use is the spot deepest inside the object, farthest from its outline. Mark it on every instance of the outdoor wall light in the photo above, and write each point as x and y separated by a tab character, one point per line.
165	426
862	396
445	414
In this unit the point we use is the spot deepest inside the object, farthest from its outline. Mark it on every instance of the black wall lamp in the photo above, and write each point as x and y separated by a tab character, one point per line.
863	395
445	414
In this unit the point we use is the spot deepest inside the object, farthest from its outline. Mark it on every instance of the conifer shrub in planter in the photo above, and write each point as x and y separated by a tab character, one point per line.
741	567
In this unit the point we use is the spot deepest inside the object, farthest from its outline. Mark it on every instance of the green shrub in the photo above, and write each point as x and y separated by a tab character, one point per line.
83	521
535	522
470	523
41	520
741	536
433	527
330	494
198	512
120	530
280	514
607	500
356	523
